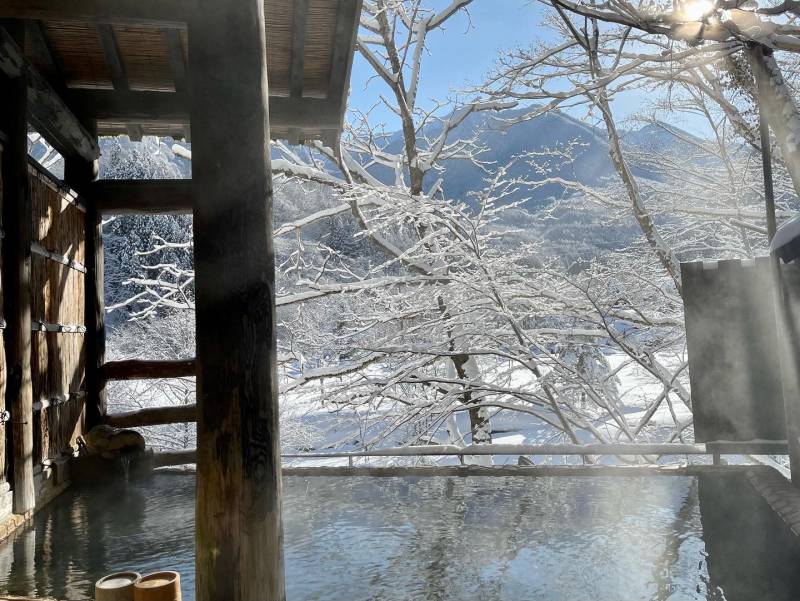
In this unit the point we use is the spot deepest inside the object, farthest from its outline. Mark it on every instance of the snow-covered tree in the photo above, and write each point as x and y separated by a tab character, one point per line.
401	309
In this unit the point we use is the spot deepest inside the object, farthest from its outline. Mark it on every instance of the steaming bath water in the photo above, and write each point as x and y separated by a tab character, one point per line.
477	538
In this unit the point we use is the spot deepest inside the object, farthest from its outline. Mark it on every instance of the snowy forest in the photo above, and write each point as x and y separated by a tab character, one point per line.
499	265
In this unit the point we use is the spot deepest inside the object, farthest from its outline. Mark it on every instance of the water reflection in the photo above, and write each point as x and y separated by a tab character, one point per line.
490	538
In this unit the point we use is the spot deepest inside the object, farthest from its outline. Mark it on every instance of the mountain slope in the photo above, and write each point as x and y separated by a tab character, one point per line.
526	144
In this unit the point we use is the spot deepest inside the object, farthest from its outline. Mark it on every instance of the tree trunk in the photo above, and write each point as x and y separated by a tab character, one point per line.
646	223
779	108
480	427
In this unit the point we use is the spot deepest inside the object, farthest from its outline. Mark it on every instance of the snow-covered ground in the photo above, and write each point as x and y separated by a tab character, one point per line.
308	424
305	417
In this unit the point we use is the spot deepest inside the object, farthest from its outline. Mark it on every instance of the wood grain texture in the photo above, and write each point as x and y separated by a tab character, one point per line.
57	317
310	46
135	369
239	550
787	279
116	110
121	197
47	111
5	435
139	12
154	416
79	174
16	275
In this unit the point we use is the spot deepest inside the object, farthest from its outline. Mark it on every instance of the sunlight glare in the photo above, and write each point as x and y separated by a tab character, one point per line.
696	10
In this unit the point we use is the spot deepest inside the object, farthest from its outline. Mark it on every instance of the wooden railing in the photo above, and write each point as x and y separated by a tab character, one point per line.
153	416
175	414
135	369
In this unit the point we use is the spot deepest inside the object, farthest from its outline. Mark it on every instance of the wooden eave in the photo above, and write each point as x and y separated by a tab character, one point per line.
124	63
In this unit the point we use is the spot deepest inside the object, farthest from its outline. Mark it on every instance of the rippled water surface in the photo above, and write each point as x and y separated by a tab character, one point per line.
401	539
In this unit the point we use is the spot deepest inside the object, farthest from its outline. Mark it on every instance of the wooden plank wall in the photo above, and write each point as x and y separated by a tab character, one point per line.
57	304
5	432
734	361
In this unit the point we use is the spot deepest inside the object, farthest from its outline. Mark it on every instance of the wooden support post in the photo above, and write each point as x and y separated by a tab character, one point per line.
786	283
17	221
777	110
95	343
239	554
177	61
79	174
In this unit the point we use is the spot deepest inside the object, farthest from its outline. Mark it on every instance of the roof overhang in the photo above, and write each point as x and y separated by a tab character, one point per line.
124	63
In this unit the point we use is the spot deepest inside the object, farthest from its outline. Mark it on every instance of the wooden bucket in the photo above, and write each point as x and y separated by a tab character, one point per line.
116	587
159	586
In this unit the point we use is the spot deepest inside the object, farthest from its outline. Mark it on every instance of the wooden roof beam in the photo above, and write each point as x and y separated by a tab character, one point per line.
116	65
177	60
125	197
131	106
47	111
297	69
344	42
108	41
302	113
128	12
177	65
45	54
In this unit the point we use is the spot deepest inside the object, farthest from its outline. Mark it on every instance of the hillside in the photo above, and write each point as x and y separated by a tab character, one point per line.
506	140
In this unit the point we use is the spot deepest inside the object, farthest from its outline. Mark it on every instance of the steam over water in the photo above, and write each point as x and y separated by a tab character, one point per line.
477	538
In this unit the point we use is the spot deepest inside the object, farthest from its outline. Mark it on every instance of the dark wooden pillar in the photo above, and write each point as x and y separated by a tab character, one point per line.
79	174
239	531
95	344
786	281
777	110
17	224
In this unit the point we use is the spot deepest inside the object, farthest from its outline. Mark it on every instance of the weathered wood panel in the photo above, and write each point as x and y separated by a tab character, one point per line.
732	339
134	369
57	292
58	367
153	416
58	359
58	218
239	546
5	434
46	110
16	209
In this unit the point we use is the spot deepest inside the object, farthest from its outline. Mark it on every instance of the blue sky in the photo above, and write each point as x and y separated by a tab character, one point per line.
459	55
465	52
